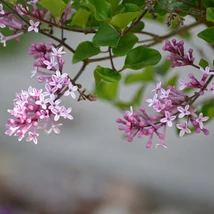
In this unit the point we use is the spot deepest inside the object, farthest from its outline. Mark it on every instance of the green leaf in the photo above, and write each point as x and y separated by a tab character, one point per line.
97	78
106	91
173	80
137	2
203	63
100	8
108	74
208	3
125	44
130	8
84	50
80	18
11	1
207	35
146	75
208	109
138	28
121	20
106	36
56	7
141	57
210	14
163	68
114	5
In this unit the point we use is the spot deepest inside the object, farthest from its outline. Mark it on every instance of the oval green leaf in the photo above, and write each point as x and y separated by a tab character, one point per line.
207	35
108	74
125	44
56	7
121	20
106	36
141	57
80	18
84	50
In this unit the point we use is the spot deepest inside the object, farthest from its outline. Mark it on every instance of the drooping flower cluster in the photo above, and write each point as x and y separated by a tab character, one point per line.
37	109
177	54
170	104
31	19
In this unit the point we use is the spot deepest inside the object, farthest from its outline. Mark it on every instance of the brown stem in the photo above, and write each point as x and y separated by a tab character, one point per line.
58	40
134	23
85	63
111	59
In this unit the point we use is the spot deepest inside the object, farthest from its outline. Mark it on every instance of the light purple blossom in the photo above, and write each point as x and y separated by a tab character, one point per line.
153	100
50	64
200	119
34	26
57	53
206	71
32	137
1	10
130	113
184	129
42	101
158	87
184	111
71	90
164	93
168	119
183	83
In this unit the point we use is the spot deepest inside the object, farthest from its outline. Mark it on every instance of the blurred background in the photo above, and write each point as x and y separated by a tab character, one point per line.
90	168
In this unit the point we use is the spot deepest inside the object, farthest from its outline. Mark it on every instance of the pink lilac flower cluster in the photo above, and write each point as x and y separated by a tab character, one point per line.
177	55
169	105
37	109
28	19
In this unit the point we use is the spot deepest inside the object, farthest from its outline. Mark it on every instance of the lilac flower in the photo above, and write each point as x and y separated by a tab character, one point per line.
1	10
168	119
158	88
71	90
42	102
158	106
50	64
184	129
30	109
177	54
32	137
54	104
50	91
66	114
184	111
34	26
58	112
165	93
130	113
201	119
184	83
206	71
57	53
153	100
34	72
4	39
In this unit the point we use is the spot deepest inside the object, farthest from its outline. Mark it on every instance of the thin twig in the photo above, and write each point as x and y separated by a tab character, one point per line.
111	59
